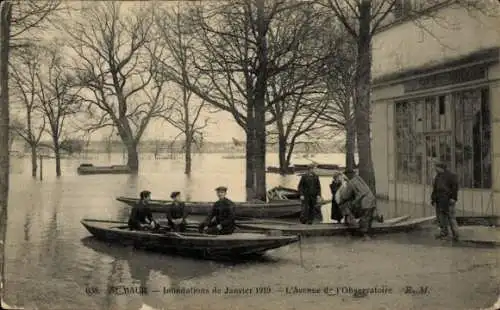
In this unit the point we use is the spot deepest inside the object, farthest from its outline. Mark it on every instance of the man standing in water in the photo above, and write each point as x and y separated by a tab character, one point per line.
141	216
221	220
310	194
443	198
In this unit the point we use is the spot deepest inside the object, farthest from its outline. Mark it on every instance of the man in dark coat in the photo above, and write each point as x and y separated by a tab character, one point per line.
443	198
141	217
336	212
221	220
310	194
177	213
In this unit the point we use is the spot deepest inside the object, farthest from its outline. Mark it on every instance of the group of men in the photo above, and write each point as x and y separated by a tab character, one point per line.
220	221
352	199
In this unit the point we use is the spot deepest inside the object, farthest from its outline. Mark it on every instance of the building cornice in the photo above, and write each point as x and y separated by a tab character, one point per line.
489	55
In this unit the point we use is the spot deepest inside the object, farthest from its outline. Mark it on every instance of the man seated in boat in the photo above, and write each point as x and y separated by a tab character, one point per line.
357	201
221	220
141	217
177	213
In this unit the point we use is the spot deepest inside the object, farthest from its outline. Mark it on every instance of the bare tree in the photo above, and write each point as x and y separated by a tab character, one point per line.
236	61
297	93
361	19
5	26
295	118
30	19
24	75
339	84
120	80
57	96
186	112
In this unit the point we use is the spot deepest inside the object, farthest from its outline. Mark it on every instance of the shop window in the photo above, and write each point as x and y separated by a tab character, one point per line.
454	128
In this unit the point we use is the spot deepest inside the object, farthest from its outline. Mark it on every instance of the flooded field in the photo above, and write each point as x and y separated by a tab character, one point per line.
52	263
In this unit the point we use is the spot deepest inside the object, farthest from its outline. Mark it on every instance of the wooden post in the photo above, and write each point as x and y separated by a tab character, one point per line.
41	167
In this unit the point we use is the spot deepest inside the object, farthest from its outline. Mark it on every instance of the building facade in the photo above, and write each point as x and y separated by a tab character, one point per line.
436	96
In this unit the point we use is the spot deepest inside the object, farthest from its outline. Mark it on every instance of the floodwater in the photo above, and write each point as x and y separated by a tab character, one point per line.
52	263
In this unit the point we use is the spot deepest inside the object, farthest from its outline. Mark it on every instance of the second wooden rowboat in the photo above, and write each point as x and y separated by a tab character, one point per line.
393	225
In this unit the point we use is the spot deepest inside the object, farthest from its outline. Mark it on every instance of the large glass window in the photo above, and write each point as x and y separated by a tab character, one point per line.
453	128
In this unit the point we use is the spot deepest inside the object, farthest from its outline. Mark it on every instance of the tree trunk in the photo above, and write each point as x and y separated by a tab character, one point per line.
289	154
284	164
249	159
5	16
260	158
132	157
187	154
350	144
34	165
57	153
362	110
260	103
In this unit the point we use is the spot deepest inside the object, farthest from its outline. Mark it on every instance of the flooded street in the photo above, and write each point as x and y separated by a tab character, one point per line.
52	263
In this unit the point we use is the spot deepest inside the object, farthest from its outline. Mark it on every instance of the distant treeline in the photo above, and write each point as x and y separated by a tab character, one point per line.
166	147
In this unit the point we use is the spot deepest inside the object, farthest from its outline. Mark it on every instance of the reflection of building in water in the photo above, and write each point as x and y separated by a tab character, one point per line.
436	96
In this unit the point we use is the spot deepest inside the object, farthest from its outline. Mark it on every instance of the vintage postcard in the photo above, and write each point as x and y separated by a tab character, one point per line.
250	154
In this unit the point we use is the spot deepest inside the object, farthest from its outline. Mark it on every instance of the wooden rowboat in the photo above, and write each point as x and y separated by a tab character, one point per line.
394	225
207	246
280	193
275	209
91	169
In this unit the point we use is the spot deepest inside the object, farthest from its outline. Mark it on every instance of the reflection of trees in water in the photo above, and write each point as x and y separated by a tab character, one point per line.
142	267
52	247
27	225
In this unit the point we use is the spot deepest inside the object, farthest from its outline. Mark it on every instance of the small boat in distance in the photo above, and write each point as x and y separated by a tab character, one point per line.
188	243
91	169
234	157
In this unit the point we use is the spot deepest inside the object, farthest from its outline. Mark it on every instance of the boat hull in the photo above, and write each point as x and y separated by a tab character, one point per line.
207	246
394	225
282	209
85	170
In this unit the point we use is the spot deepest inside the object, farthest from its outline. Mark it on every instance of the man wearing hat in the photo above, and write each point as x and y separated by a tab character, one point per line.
443	198
141	217
221	220
177	213
310	194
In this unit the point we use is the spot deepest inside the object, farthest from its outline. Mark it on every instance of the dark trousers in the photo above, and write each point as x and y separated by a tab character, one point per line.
177	227
212	229
446	217
365	220
308	209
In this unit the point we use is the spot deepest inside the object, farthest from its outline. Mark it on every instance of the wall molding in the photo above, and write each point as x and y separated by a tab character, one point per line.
487	56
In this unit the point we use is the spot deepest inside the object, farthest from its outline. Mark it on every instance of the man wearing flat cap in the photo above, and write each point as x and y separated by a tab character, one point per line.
310	194
177	213
443	198
141	217
221	220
